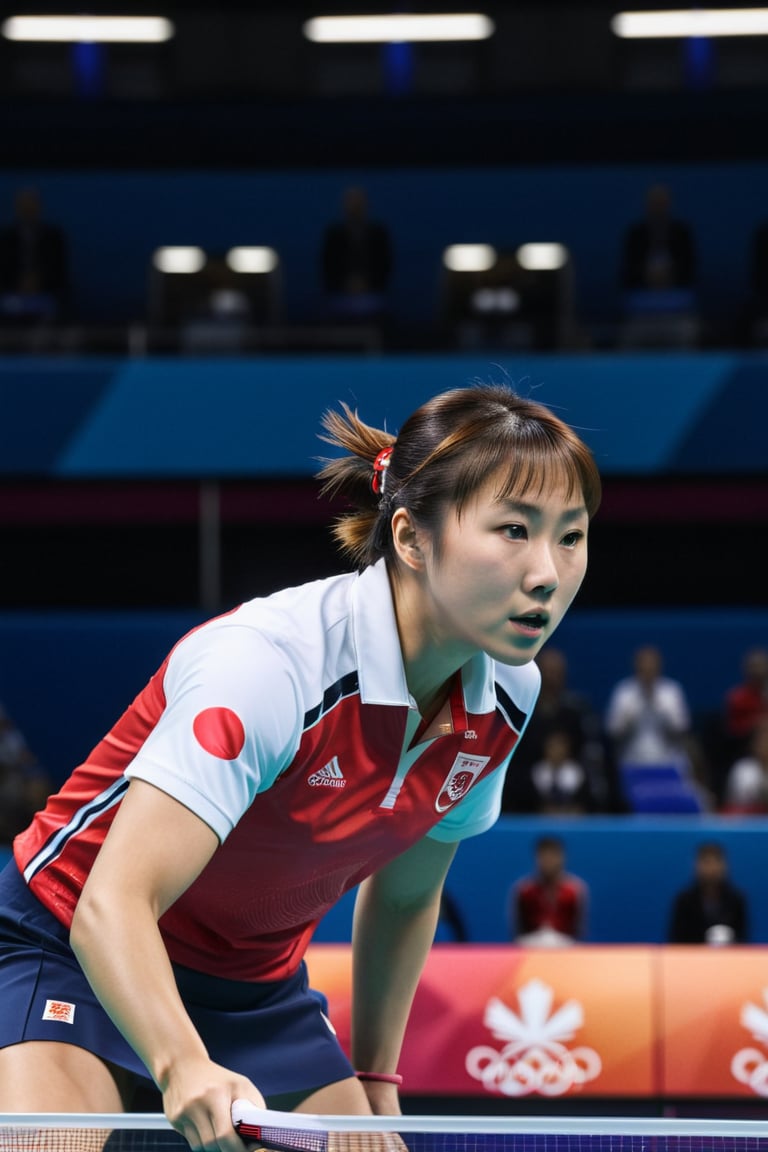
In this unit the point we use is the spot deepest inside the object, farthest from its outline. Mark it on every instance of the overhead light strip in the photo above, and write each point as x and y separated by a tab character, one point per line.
88	29
684	23
398	28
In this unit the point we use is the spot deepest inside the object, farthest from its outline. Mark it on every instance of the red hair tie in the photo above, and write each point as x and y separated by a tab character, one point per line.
380	465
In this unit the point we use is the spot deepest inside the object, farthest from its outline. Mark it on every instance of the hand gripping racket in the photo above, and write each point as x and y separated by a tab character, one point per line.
281	1131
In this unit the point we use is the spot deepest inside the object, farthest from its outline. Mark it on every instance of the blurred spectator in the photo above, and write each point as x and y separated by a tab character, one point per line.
711	910
356	261
549	907
746	703
659	251
558	709
24	784
647	716
34	265
746	785
557	784
726	733
658	756
658	277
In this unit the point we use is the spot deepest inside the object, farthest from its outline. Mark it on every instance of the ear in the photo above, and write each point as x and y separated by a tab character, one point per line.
406	541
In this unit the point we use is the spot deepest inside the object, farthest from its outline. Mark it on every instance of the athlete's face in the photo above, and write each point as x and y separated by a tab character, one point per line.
507	571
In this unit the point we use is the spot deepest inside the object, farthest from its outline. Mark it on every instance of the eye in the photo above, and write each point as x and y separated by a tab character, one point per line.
515	531
571	539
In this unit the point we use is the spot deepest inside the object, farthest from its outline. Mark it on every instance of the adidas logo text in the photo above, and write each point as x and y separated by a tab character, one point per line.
329	776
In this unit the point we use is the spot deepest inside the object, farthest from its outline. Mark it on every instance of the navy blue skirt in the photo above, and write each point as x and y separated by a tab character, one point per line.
274	1032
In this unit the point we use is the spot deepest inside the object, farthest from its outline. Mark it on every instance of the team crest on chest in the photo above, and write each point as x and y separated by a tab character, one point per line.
464	771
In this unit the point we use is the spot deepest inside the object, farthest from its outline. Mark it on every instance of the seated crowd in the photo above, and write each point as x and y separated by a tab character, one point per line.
573	761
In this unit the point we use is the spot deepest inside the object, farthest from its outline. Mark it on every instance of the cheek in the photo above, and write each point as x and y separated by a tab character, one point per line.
581	568
572	575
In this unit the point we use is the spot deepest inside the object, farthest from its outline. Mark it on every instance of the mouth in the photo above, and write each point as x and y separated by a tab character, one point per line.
532	623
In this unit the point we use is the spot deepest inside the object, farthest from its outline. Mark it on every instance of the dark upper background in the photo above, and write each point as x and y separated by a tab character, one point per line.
239	84
239	87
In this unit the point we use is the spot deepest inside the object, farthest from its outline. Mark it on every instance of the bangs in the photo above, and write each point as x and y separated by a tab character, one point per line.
555	471
533	462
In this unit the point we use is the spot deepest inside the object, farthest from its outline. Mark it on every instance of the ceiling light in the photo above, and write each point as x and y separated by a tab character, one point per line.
84	29
179	260
252	259
691	22
398	27
469	257
542	257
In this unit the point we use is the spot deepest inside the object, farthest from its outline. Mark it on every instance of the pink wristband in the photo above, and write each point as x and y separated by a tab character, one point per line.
384	1077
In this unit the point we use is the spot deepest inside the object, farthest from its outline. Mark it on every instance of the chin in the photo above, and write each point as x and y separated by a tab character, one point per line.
516	659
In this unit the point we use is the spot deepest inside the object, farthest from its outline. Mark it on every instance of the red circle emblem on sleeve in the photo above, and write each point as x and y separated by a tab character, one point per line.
219	731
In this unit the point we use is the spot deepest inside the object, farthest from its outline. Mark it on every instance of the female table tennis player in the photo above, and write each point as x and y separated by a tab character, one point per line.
347	732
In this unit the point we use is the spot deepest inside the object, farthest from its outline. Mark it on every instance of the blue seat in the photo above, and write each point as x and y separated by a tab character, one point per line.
659	788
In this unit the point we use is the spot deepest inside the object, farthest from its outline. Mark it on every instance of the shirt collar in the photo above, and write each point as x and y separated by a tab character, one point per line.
379	660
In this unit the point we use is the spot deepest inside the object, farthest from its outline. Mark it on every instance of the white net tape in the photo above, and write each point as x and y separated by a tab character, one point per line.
153	1133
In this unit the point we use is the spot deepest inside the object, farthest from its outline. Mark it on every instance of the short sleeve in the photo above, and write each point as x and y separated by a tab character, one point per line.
231	723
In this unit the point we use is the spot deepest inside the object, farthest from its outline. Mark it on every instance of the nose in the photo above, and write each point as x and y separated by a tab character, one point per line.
541	577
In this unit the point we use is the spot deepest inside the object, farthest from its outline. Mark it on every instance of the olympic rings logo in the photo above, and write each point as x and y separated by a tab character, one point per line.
750	1066
549	1069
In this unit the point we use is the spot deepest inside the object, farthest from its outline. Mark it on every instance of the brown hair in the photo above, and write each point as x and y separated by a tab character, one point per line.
444	453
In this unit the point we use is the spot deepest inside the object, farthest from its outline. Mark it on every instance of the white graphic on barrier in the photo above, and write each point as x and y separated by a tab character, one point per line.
534	1058
750	1065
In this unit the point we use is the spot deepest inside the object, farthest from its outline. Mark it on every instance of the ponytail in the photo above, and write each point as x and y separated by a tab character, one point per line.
362	532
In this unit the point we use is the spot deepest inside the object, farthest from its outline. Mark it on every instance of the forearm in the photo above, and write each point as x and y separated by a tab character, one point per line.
116	938
121	951
390	946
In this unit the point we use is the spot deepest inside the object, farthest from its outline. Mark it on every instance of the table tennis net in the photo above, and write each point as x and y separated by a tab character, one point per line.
407	1134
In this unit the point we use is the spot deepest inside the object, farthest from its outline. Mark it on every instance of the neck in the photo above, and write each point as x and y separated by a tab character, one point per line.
430	660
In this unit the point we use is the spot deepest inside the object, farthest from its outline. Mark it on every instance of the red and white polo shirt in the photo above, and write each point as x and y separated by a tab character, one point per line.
286	726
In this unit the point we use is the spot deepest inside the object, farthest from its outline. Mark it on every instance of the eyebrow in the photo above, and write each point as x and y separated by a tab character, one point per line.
523	507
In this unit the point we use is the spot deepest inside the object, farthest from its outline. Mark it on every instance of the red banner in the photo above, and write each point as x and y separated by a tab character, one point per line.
594	1021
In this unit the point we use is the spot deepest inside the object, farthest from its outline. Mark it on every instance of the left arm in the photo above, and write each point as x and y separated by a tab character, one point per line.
394	925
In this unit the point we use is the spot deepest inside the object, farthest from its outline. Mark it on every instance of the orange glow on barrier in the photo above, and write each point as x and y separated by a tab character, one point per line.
499	1021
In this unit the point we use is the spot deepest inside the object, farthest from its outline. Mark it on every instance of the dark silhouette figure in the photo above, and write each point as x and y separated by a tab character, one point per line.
34	264
711	910
356	260
659	250
559	709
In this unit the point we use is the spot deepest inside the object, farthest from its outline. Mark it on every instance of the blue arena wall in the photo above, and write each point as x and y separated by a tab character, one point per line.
642	413
633	866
